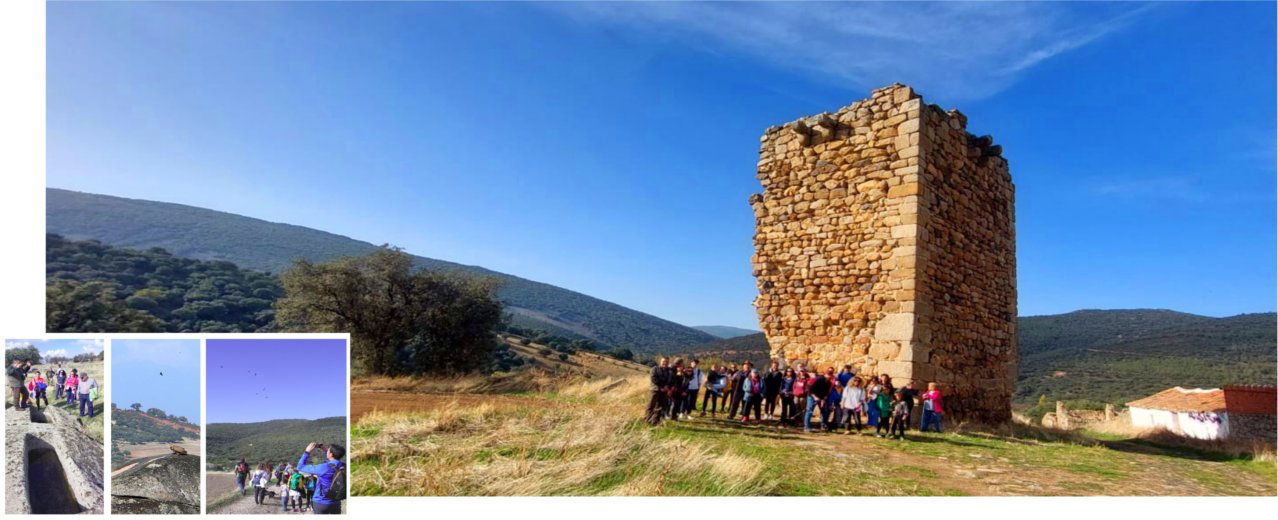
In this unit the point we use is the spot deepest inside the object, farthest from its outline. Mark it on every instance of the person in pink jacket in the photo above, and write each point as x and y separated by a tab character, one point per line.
931	408
73	381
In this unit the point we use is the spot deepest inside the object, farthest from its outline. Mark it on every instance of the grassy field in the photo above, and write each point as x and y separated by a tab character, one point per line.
586	438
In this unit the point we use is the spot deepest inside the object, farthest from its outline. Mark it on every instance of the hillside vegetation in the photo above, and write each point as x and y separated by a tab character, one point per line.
271	441
724	331
138	427
91	285
1112	356
267	247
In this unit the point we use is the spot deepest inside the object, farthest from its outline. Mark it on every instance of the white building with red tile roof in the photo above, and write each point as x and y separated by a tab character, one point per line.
1205	413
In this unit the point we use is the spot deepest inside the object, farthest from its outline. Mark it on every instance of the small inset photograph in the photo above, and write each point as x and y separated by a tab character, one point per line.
276	425
54	426
155	426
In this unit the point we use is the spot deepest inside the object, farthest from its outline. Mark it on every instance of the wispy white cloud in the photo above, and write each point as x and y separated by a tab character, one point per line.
45	346
1158	188
967	50
90	345
57	352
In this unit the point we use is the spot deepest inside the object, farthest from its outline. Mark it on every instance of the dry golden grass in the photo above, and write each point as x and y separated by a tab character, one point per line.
469	384
574	443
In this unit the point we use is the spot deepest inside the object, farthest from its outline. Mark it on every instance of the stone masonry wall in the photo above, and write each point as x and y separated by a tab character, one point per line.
884	239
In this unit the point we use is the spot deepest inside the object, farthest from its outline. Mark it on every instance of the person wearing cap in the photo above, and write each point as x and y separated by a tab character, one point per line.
659	387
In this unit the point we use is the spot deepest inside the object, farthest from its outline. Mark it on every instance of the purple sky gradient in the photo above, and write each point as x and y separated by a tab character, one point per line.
255	380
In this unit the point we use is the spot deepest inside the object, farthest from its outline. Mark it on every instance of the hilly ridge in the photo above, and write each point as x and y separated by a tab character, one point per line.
281	440
204	234
1111	355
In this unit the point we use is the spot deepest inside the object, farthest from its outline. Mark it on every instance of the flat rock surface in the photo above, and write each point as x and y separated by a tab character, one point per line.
163	479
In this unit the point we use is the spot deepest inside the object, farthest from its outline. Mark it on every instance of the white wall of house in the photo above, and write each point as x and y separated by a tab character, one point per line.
1182	423
1199	427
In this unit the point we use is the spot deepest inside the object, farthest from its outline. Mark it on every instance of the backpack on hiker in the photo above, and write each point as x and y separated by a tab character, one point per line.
336	491
241	469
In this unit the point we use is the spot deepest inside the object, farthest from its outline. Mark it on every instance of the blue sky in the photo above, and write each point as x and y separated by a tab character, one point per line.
68	348
610	149
255	380
159	373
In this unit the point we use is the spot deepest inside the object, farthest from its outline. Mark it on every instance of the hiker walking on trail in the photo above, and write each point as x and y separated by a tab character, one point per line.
283	490
261	479
931	408
659	381
37	388
241	474
88	390
308	492
330	475
295	491
17	374
772	390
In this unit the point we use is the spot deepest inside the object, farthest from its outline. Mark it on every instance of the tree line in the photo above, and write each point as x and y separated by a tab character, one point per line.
31	353
402	320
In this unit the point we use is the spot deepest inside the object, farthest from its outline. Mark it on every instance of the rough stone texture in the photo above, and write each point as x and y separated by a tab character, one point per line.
80	457
1253	428
158	485
885	239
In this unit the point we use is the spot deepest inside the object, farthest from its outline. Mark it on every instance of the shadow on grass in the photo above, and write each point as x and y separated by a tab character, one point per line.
1145	447
955	440
734	427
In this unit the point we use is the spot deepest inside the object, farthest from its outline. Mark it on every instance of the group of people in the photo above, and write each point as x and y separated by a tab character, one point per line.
834	400
302	487
70	388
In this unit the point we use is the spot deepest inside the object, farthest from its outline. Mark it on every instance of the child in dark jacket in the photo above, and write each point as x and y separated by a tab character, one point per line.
900	416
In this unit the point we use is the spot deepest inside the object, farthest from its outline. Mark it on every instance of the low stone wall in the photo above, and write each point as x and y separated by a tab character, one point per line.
1246	428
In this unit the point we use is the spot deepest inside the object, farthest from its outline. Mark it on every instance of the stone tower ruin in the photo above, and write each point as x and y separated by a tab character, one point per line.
885	239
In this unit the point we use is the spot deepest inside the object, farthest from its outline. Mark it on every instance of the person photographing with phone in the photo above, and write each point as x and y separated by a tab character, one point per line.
330	485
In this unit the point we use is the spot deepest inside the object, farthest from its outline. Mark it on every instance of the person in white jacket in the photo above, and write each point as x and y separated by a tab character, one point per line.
853	403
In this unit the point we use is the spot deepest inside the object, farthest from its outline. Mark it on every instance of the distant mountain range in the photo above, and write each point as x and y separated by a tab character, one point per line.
724	331
204	234
270	441
1112	356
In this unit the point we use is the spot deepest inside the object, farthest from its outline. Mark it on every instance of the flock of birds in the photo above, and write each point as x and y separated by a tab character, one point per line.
259	392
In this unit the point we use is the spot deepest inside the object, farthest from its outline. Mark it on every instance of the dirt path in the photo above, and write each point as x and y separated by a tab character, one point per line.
224	494
365	402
